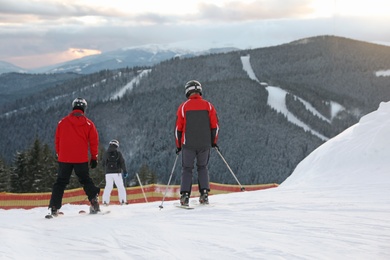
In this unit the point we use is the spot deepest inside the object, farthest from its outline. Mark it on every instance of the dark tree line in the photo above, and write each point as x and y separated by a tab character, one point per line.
35	169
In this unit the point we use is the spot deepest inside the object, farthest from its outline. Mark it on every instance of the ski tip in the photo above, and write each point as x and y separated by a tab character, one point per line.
100	212
184	207
49	216
82	212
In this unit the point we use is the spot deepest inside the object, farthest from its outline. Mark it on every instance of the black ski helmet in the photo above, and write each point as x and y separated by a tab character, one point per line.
79	103
114	142
193	86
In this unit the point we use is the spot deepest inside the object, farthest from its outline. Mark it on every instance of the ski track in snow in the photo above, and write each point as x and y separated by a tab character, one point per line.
382	73
129	86
277	100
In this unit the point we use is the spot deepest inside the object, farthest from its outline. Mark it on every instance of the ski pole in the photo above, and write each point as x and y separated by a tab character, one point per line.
223	159
169	181
87	196
101	182
141	187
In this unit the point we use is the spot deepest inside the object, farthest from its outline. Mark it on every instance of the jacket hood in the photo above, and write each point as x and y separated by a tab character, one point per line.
195	96
112	147
77	117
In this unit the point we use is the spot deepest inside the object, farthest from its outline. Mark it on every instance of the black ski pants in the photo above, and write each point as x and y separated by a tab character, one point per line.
188	157
64	173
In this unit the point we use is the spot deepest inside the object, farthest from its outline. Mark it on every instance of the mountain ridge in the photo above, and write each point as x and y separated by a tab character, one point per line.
258	141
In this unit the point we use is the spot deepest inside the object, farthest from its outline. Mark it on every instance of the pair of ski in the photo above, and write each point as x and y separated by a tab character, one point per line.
81	212
184	207
50	216
192	205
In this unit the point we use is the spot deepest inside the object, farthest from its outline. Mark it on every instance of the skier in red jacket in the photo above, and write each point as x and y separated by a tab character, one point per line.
196	131
76	136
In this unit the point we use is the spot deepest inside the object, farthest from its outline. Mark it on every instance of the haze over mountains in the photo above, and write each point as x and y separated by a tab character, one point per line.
6	67
326	83
148	55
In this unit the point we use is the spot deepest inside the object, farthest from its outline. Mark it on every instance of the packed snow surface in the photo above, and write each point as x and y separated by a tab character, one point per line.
335	205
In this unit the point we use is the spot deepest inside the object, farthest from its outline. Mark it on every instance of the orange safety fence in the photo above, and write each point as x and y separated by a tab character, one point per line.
152	192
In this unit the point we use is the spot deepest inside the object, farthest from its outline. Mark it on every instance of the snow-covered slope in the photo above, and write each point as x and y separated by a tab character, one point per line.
356	158
129	86
277	101
335	205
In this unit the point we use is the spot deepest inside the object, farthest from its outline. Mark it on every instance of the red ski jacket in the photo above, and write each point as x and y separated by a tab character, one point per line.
74	134
196	123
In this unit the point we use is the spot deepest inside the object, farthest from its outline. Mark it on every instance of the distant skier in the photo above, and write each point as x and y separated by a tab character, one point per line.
114	163
196	131
75	135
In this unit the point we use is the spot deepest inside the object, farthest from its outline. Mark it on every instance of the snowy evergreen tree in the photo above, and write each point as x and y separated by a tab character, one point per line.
18	171
4	177
46	175
146	175
34	175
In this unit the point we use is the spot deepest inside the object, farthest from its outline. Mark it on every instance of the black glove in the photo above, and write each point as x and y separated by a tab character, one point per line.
215	146
178	150
93	164
125	175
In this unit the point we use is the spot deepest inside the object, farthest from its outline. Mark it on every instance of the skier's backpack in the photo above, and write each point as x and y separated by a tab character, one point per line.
112	164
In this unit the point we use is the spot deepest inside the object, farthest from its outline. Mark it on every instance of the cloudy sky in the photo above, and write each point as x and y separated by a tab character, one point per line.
36	33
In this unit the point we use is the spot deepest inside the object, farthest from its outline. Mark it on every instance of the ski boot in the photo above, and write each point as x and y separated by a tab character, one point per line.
204	197
184	199
54	212
94	208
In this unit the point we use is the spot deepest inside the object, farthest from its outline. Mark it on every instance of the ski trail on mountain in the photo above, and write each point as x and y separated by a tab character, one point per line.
277	101
129	86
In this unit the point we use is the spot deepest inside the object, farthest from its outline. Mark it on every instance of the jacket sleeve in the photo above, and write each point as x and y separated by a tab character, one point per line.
178	135
93	141
179	126
214	125
57	139
104	159
123	163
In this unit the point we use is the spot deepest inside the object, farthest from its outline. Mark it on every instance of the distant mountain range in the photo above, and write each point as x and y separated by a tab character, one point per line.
144	56
275	105
6	67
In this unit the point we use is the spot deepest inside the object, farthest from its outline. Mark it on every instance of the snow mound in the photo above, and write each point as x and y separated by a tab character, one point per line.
358	158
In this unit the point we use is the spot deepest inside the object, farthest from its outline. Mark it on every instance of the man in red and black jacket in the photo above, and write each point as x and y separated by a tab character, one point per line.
76	137
196	131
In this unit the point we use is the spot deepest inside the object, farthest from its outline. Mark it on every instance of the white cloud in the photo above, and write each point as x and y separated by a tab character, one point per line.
35	27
